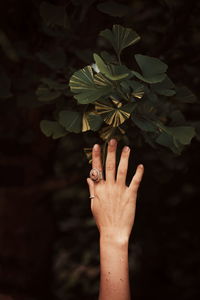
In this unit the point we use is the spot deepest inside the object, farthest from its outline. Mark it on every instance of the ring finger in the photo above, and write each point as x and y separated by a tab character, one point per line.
96	157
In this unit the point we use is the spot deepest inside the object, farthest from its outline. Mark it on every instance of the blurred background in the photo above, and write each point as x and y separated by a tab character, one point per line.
48	240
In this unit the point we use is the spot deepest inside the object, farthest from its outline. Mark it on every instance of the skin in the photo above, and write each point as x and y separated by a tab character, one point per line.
113	209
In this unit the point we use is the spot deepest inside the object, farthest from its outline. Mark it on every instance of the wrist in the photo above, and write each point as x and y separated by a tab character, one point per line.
114	239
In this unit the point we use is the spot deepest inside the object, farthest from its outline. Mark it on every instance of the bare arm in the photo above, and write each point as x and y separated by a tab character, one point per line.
114	211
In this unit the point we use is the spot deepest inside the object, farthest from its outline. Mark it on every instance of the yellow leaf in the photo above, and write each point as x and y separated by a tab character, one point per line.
85	123
88	153
107	132
112	112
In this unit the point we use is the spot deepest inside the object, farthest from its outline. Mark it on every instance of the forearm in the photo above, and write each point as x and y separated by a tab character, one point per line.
113	205
114	271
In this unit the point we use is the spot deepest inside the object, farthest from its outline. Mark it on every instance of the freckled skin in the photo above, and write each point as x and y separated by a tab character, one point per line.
113	209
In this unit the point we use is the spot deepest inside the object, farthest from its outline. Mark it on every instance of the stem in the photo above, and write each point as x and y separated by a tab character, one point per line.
119	59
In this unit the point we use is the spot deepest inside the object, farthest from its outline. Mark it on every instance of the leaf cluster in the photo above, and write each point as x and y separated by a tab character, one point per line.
116	101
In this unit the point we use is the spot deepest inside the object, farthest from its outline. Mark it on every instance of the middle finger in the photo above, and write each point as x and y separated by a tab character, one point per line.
111	161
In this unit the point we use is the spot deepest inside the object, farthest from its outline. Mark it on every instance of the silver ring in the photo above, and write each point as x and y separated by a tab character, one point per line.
96	174
91	197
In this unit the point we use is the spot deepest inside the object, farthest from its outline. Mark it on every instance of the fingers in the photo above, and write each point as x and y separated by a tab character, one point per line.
91	189
123	166
91	186
135	182
96	157
111	161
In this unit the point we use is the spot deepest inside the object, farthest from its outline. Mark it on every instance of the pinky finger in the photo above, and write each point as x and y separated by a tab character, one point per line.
135	182
91	189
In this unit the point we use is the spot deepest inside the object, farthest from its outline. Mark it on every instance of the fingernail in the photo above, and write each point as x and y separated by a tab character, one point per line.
112	142
126	148
141	166
96	147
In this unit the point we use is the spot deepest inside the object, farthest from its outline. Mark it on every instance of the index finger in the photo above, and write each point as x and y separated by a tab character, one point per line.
96	157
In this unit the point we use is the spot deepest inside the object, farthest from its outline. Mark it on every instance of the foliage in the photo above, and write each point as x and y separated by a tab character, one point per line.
123	98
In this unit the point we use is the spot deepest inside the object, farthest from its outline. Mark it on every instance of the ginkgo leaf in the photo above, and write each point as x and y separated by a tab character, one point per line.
144	124
91	121
109	131
113	72
95	121
52	128
45	94
71	120
185	95
113	114
165	88
86	90
120	37
135	88
153	69
85	123
175	137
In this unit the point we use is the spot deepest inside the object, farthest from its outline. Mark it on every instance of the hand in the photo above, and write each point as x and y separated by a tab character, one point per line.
114	204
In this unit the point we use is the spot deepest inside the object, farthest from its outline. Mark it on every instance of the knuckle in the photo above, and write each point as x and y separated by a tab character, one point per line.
96	154
121	172
134	191
110	166
111	148
136	182
125	153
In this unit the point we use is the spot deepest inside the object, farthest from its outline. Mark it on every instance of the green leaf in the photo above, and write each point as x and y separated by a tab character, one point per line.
183	134
119	72
108	58
112	72
113	9
45	94
177	118
153	69
175	137
168	141
53	14
152	79
185	95
86	90
165	88
103	68
52	128
71	120
134	87
143	124
95	122
53	85
120	37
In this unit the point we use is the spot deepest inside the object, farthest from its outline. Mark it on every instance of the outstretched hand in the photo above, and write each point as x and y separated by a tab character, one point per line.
114	204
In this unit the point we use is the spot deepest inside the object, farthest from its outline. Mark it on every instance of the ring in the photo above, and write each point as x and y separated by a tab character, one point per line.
91	197
96	175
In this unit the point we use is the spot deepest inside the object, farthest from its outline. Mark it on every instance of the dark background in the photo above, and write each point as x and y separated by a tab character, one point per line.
48	240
